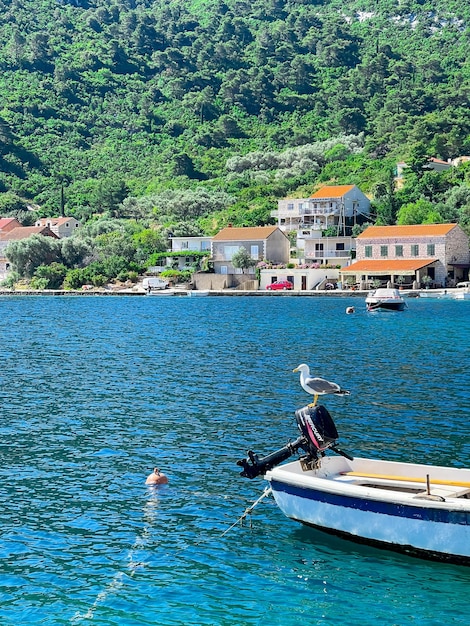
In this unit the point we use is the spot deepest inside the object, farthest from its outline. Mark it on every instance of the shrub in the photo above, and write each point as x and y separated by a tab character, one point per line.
38	283
52	275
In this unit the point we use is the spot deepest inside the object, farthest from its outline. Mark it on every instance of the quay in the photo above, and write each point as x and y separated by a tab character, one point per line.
347	293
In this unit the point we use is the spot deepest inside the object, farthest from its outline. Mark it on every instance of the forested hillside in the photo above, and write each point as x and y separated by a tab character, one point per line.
140	108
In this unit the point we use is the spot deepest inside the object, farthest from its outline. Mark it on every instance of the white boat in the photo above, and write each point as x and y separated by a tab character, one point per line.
418	509
461	294
160	292
385	299
198	293
440	295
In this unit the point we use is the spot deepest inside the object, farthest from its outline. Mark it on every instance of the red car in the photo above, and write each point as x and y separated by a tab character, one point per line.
280	284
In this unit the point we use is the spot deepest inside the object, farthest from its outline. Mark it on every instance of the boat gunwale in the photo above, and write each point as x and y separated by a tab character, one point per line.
341	485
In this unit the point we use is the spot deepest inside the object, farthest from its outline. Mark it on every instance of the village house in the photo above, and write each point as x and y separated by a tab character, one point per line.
17	234
323	223
187	245
197	244
435	254
338	206
262	243
8	223
432	165
60	226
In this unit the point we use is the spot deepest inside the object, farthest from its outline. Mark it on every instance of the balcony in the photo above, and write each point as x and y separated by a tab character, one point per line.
328	254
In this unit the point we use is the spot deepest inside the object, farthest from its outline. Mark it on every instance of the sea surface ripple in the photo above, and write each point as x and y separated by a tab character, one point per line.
97	391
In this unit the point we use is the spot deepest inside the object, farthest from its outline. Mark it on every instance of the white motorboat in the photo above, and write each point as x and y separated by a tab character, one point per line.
198	293
160	292
461	294
418	509
385	299
440	295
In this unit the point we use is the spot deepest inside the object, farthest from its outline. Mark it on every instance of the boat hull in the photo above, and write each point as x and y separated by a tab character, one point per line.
200	293
401	518
385	306
461	295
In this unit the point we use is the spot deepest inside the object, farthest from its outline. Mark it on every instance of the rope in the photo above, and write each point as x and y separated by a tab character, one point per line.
267	492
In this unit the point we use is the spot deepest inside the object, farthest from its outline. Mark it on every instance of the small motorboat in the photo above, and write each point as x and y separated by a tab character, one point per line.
461	294
435	294
198	293
161	292
385	299
422	510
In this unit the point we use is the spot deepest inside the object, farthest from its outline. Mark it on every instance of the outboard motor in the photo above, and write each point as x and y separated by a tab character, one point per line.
318	433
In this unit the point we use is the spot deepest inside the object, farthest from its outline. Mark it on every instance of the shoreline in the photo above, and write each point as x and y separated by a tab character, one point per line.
412	293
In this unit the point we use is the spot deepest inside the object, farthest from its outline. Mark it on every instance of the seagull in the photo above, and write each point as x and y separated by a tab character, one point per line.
317	386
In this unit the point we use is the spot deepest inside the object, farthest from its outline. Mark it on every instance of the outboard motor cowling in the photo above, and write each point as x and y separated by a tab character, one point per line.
318	428
318	433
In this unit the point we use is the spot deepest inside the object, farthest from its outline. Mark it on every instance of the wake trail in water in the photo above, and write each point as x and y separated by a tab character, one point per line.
118	580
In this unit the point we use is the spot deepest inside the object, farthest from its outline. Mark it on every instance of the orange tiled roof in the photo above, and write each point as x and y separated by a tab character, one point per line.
4	221
386	266
333	191
245	233
23	232
416	230
54	220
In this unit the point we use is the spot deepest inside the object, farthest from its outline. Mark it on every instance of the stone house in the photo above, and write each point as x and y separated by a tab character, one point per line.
439	252
8	223
262	242
17	234
60	226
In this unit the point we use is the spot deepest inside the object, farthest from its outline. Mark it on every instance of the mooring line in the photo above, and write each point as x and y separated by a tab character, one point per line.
267	492
140	543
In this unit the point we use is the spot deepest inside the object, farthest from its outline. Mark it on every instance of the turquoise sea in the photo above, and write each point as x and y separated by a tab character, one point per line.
96	391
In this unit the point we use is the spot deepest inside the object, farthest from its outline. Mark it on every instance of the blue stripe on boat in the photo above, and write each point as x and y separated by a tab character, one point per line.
375	506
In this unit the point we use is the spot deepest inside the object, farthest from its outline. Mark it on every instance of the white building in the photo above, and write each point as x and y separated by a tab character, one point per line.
340	206
60	226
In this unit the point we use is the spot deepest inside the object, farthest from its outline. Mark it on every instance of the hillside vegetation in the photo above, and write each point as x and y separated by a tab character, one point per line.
190	115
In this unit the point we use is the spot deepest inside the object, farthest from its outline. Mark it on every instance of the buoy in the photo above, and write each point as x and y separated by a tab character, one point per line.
156	478
349	310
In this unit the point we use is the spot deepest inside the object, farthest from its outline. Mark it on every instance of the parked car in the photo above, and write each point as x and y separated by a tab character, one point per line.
280	284
465	284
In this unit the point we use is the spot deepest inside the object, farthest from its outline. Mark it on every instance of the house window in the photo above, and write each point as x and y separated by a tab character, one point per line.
340	246
415	250
398	250
368	252
431	249
229	251
205	245
254	252
184	245
383	250
290	206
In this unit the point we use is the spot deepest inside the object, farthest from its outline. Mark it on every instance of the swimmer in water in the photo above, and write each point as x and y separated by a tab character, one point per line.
156	478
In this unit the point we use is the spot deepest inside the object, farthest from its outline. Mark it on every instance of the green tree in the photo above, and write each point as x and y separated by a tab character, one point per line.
52	275
242	259
28	254
420	212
